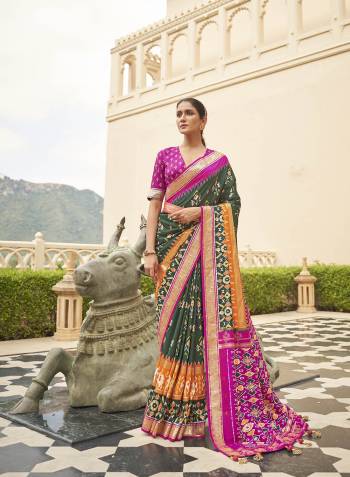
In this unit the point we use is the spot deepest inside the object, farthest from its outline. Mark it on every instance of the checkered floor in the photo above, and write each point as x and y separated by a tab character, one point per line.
319	344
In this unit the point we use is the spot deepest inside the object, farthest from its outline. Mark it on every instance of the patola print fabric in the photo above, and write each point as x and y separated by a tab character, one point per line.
168	165
211	364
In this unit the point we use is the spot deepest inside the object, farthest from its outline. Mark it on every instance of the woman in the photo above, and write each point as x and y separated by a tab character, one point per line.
210	362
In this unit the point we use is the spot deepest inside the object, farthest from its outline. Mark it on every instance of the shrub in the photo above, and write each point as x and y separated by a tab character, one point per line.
28	304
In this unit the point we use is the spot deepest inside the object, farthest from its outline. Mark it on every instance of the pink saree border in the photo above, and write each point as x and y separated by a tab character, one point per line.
210	329
188	177
220	376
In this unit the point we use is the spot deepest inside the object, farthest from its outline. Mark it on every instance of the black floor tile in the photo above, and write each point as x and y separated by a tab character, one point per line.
14	371
21	458
221	472
341	392
29	357
146	460
68	472
320	406
312	460
332	436
330	353
103	441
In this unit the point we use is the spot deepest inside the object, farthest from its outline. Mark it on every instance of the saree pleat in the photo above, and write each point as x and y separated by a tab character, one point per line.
176	404
211	364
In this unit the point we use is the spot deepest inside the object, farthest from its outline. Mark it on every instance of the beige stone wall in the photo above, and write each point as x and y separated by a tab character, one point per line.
175	6
281	116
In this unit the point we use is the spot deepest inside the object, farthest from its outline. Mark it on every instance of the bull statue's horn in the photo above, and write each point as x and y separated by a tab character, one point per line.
113	243
140	244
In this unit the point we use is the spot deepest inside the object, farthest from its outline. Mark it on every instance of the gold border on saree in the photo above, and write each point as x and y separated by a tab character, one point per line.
187	263
169	257
187	175
213	367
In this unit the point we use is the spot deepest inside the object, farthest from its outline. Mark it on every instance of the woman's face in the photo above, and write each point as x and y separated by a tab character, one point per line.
187	118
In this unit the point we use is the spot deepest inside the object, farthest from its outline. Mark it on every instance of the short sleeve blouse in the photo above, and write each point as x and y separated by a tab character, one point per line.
158	186
168	166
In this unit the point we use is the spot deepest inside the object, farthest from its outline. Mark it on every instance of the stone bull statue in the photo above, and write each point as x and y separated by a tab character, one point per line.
118	348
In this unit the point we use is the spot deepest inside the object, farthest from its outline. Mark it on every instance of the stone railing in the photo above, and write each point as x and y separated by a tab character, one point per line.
256	258
220	43
39	254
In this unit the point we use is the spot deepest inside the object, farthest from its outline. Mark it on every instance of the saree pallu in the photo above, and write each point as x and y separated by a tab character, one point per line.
211	364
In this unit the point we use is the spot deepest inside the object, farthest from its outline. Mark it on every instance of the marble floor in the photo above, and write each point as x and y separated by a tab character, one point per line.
314	343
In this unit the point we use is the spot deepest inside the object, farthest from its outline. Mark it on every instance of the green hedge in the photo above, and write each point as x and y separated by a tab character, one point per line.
28	305
273	289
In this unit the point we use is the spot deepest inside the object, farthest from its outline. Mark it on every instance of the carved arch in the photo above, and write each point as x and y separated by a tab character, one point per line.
178	54
263	6
131	58
173	39
152	63
233	14
275	21
200	30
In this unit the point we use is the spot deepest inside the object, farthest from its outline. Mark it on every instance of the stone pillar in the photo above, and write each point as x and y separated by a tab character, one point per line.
222	21
69	305
337	7
192	51
164	61
258	31
140	67
116	80
39	252
294	26
306	290
250	261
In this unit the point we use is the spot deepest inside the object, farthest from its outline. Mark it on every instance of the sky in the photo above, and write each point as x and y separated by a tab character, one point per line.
54	85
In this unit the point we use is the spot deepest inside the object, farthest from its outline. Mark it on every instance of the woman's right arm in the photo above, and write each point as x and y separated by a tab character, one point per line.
155	196
151	261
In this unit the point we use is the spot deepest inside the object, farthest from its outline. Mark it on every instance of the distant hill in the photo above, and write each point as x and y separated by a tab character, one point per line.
61	212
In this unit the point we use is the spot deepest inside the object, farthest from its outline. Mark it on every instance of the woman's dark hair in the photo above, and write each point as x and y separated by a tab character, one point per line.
199	107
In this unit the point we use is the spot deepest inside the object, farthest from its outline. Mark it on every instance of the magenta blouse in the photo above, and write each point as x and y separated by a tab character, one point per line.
169	164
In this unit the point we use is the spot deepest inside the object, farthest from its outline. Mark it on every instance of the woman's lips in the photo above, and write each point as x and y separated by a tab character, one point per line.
183	125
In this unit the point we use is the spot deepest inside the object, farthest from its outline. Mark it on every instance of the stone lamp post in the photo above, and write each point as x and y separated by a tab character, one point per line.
69	305
306	290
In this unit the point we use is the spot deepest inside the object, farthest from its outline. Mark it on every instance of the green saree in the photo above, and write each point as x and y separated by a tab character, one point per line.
210	363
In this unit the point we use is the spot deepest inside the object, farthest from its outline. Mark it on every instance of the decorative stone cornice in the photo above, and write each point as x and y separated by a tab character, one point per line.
236	79
172	22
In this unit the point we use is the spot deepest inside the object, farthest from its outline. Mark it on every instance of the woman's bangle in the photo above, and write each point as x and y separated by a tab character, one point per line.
149	252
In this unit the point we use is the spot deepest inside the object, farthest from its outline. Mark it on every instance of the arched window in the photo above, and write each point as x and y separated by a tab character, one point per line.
240	28
178	53
152	64
128	74
208	44
275	21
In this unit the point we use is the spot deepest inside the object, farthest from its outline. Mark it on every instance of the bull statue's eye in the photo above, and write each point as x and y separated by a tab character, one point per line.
119	261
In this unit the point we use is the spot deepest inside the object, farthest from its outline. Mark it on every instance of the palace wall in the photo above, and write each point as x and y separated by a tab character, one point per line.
277	100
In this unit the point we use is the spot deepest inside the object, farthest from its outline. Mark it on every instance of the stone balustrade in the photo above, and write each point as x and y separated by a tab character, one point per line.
39	254
219	43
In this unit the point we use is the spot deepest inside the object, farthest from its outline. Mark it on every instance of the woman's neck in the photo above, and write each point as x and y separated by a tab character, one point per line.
192	142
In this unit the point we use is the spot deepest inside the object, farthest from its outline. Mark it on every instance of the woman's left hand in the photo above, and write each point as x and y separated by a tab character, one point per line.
186	215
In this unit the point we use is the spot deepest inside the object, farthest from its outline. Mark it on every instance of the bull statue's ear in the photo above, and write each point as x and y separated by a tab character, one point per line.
140	244
141	269
114	240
